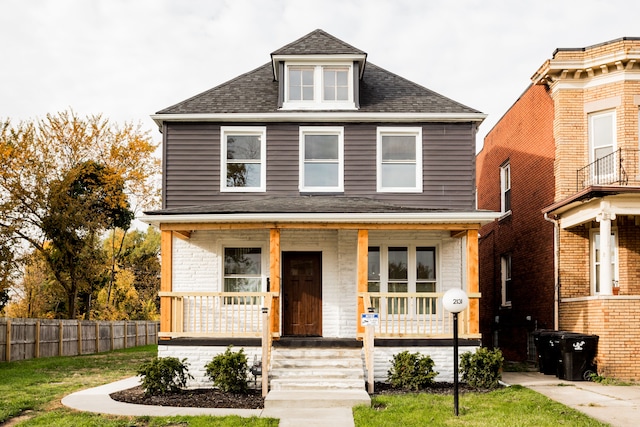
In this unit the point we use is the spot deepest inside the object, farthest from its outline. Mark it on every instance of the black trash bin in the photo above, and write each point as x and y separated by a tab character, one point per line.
548	354
578	352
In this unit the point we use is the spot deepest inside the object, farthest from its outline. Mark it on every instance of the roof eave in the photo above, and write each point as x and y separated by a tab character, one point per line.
476	217
343	116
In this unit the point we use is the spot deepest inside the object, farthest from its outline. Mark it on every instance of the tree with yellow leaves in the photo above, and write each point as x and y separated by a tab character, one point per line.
64	180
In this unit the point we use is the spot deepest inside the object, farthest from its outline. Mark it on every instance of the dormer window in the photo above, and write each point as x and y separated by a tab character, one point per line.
319	86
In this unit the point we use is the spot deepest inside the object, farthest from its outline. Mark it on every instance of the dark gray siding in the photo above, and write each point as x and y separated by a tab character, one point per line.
192	164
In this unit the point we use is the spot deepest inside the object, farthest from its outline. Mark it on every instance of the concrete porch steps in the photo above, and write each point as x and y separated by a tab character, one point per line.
316	377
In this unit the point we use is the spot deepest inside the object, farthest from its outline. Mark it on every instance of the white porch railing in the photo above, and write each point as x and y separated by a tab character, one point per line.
415	315
216	314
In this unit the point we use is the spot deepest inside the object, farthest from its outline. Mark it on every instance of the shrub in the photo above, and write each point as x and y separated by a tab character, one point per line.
228	371
164	375
412	371
482	368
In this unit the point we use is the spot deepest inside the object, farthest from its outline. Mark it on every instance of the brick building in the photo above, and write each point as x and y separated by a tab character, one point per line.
562	165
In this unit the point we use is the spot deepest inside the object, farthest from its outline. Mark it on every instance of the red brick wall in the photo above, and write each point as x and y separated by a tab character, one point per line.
524	137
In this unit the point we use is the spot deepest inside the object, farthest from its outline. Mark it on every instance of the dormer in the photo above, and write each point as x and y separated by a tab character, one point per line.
318	72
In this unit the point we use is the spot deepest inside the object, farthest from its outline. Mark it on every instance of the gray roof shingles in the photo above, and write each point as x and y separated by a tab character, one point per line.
256	91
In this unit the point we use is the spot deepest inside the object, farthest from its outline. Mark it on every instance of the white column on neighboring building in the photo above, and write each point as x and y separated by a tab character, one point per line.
606	275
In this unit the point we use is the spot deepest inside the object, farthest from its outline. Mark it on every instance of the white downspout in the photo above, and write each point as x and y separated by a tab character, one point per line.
556	268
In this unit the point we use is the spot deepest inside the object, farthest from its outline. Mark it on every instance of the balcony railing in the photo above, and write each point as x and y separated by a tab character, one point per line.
617	168
415	315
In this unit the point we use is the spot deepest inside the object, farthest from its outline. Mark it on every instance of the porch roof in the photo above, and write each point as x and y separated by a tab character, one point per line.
333	209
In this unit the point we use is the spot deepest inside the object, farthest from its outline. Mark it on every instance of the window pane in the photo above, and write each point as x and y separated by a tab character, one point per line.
301	84
243	174
243	147
398	147
398	175
425	287
241	284
426	263
603	130
242	261
321	174
397	265
374	264
322	147
307	77
342	94
342	78
295	92
307	93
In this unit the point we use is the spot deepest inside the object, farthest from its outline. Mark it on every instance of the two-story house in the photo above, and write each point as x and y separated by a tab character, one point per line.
562	166
307	192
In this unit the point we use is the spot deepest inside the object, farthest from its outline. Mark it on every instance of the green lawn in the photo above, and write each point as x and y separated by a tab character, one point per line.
33	388
509	407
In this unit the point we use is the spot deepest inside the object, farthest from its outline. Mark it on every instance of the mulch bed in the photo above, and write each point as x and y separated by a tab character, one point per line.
214	398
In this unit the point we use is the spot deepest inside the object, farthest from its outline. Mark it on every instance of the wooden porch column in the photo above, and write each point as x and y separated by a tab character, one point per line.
362	263
274	278
166	273
473	281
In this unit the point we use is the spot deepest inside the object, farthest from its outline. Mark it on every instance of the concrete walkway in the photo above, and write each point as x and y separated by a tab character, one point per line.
97	400
615	405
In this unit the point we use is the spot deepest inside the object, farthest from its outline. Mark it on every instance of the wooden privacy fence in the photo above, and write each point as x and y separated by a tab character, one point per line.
22	339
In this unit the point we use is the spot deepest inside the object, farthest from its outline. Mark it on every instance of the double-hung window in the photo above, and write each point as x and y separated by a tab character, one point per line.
242	273
505	188
399	159
596	264
321	159
505	271
402	270
243	154
602	144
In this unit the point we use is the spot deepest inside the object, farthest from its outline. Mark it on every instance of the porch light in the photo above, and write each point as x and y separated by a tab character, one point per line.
454	301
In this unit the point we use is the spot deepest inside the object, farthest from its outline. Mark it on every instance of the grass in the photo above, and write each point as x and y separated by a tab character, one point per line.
33	388
509	407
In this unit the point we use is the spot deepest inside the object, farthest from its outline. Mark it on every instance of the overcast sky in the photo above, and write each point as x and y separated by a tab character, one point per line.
127	59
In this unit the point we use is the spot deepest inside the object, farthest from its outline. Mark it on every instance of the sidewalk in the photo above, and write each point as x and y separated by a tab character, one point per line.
616	405
97	400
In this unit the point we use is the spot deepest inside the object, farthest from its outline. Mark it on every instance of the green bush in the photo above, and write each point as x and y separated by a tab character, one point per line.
482	369
163	375
411	371
228	371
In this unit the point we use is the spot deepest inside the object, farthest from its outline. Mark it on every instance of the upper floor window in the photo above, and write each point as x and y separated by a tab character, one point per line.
505	188
399	159
243	154
321	159
602	144
315	87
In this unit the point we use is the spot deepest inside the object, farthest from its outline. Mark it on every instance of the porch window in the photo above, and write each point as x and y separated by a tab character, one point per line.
602	142
399	159
595	259
505	188
404	269
321	159
243	154
505	271
242	272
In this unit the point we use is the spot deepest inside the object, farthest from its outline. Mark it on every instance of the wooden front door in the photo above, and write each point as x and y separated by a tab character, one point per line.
302	288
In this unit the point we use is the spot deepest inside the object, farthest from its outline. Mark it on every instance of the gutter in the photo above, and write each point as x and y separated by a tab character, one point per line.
556	267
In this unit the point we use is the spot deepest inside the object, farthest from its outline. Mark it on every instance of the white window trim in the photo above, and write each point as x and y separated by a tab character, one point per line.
321	130
503	188
264	260
318	103
592	258
411	272
417	133
243	130
614	139
503	279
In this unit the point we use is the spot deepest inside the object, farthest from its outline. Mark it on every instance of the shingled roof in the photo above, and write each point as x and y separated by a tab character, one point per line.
380	90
